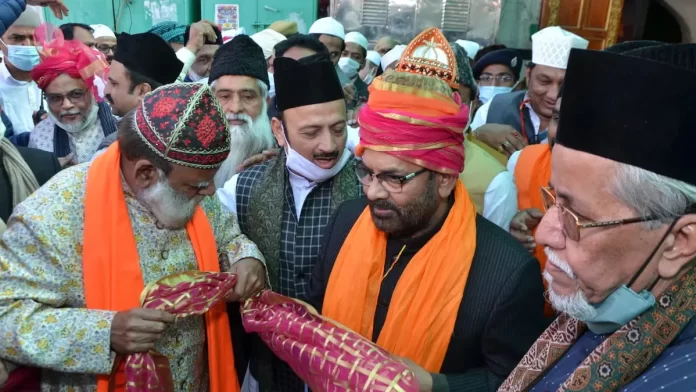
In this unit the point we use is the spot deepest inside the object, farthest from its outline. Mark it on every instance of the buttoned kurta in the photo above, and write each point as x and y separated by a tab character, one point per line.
43	319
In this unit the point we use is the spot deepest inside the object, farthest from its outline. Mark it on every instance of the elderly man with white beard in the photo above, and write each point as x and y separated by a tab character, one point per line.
78	252
620	228
239	79
78	121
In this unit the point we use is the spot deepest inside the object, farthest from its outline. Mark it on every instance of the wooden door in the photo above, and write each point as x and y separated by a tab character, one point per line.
598	21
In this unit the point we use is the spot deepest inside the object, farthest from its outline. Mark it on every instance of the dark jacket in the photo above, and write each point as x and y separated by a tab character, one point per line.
9	12
501	314
42	163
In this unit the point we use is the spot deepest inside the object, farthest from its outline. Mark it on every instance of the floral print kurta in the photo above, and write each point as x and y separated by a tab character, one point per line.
43	320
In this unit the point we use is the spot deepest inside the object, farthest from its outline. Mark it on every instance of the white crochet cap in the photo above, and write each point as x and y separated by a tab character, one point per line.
357	38
328	26
471	47
393	55
551	46
374	57
101	31
267	40
31	17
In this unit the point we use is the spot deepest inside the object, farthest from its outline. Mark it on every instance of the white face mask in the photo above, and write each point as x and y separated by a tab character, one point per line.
194	76
349	66
307	169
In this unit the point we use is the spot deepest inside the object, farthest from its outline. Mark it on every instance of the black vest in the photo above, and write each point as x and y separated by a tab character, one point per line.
505	109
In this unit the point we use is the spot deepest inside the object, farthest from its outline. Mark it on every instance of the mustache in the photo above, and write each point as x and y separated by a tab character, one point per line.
330	155
383	205
560	264
69	113
241	116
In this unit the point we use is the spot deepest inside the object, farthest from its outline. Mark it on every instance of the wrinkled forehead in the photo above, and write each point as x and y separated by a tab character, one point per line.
19	30
64	83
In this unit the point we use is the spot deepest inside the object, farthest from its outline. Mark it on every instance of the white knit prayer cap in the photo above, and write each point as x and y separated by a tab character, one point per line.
102	31
471	47
392	56
356	38
267	40
551	46
328	26
374	57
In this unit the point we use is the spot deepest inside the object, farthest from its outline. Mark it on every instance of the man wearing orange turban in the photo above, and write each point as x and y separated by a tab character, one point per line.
413	267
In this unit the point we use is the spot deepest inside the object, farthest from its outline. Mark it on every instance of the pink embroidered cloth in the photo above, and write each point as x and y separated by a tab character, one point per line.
185	294
326	355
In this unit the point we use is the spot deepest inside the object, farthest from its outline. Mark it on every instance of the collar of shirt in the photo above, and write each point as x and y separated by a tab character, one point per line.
301	188
533	116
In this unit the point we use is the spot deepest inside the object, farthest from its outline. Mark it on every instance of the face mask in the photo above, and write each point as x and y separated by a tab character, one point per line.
307	169
622	306
194	76
486	93
271	85
349	66
23	57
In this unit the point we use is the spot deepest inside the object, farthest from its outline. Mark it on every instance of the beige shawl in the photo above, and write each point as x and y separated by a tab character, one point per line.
22	179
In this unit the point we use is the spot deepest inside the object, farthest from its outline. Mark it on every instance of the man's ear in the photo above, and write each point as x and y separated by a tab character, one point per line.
277	128
146	174
144	89
447	182
680	248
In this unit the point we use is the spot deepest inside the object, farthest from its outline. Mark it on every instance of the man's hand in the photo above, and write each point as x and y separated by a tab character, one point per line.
66	161
522	225
258	158
501	137
57	7
425	379
349	92
137	330
251	279
200	33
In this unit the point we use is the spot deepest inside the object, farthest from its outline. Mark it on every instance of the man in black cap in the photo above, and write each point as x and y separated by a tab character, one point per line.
620	228
202	63
239	79
142	63
284	204
497	72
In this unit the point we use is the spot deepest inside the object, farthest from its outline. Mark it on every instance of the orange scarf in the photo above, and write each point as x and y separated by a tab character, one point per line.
111	267
426	300
533	171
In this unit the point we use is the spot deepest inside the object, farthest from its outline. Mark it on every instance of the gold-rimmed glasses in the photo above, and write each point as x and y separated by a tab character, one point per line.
571	222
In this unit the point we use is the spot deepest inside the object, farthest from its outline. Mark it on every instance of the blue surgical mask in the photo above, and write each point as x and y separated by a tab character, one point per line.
349	66
622	306
487	93
22	57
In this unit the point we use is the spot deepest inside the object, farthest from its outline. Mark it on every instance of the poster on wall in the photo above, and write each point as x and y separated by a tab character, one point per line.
227	16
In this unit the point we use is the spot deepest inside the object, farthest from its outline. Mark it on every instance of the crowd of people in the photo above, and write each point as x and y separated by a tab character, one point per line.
491	223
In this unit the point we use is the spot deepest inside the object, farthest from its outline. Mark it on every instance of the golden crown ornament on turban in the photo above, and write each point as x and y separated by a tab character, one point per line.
430	54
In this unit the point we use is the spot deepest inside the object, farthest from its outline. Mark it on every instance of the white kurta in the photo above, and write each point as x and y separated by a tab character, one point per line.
19	100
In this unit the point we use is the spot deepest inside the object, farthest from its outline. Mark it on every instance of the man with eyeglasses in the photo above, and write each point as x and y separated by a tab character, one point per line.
106	40
510	121
78	120
620	229
497	72
413	267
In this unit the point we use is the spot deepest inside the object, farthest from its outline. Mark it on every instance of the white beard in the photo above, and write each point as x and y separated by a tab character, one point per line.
246	140
575	305
81	125
170	208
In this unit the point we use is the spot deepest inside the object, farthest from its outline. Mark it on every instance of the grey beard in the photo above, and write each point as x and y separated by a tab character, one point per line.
244	143
85	123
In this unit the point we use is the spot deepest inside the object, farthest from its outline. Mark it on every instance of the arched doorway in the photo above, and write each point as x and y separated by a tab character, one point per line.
661	24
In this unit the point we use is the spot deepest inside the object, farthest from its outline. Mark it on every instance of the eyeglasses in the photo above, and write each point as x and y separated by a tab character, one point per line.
500	78
75	96
106	48
571	222
390	182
